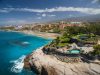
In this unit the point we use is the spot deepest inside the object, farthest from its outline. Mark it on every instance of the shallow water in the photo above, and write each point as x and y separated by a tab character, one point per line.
13	49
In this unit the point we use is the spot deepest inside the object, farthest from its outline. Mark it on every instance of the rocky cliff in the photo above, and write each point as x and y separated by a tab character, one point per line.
48	65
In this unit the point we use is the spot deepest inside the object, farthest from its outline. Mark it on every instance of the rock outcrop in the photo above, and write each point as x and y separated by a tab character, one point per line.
48	65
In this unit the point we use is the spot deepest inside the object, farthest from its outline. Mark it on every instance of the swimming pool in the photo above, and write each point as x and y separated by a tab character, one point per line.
74	51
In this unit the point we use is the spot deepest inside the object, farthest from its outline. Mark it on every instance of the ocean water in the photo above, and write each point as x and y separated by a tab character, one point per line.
14	47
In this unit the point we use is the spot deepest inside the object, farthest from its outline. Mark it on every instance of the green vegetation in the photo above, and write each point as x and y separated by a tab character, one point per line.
61	41
7	28
91	28
75	30
96	50
89	33
56	30
94	28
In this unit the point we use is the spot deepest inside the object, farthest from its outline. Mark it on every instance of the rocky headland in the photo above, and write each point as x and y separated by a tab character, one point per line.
43	64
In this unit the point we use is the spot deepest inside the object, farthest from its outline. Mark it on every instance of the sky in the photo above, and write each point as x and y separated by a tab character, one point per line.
14	12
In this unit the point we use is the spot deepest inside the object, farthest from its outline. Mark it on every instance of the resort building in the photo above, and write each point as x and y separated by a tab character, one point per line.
19	27
65	24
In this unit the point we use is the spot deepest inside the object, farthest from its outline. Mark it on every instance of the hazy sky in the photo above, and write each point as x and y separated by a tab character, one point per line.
31	11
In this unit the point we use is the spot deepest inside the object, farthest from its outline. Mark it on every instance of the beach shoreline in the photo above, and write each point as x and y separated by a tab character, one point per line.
40	34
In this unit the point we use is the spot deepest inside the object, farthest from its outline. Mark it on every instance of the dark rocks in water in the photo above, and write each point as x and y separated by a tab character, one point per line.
44	70
34	69
28	66
26	63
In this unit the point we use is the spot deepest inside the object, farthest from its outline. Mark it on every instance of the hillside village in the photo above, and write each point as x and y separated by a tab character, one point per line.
43	27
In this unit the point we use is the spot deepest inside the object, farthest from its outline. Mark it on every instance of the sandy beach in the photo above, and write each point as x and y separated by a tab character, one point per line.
41	34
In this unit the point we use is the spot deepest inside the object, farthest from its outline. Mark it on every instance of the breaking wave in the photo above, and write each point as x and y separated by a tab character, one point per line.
18	64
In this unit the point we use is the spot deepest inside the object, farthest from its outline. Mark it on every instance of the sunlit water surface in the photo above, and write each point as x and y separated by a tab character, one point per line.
14	47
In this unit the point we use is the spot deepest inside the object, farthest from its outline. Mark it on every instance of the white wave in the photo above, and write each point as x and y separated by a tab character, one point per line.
25	42
18	64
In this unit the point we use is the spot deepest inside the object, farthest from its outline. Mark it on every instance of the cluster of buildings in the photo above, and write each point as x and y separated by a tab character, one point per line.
47	27
60	25
64	24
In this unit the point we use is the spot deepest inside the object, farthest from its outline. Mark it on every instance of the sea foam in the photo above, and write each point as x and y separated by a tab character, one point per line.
18	64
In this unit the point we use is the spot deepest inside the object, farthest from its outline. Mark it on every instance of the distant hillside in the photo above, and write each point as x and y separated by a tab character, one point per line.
92	18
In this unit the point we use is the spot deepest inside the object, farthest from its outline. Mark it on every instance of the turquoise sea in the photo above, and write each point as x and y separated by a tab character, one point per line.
14	47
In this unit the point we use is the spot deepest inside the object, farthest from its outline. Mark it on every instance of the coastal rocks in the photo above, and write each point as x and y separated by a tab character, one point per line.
48	71
44	64
26	62
95	68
